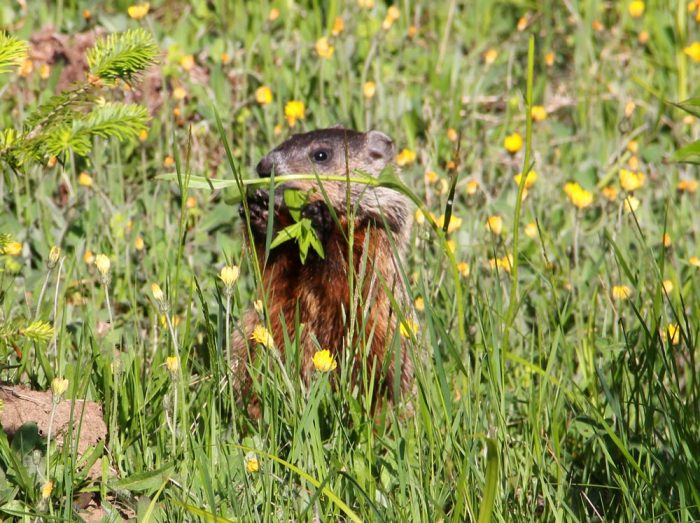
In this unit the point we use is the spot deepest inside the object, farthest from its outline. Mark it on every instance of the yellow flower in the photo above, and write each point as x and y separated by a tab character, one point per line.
668	286
420	217
636	8
324	361
431	176
88	257
405	157
274	14
494	224
338	26
294	110
262	336
633	163
419	304
579	197
392	15
455	223
409	328
452	134
490	56
513	143
504	263
631	204
138	11
531	230
54	254
463	268
673	333
13	249
549	59
187	62
451	245
103	264
666	240
412	31
252	465
633	146
472	186
631	181
26	68
694	261
259	307
47	489
538	112
229	275
522	23
263	95
225	58
323	48
53	160
530	179
138	243
609	193
179	93
621	292
693	50
85	180
643	37
44	71
172	363
59	386
368	89
157	292
687	185
87	14
168	162
143	135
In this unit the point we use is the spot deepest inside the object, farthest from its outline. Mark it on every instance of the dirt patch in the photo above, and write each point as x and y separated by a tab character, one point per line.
23	405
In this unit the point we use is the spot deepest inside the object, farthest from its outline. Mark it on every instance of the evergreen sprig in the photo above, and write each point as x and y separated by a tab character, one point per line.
122	55
12	52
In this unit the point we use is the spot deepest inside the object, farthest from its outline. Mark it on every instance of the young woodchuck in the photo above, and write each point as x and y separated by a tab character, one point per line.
318	290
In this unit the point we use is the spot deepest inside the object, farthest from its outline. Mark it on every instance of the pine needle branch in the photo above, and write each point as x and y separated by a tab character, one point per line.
122	55
12	52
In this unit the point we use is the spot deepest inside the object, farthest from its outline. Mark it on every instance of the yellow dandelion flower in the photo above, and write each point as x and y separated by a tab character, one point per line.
693	50
629	108
338	26
172	363
294	110
538	112
168	162
621	292
179	93
578	196
44	71
687	185
368	89
143	135
549	59
636	8
259	307
452	134
597	26
609	193
694	261
53	160
59	386
187	62
643	37
274	14
324	361
631	181
494	224
666	240
431	176
262	336
263	95
633	163
103	264
673	333
157	292
522	23
229	275
513	143
138	11
87	14
409	328
13	249
463	268
138	243
455	223
633	146
490	56
472	186
668	286
420	217
225	58
323	48
252	464
631	204
412	31
451	245
47	489
26	68
405	157
191	202
530	179
84	179
505	263
88	257
419	304
531	230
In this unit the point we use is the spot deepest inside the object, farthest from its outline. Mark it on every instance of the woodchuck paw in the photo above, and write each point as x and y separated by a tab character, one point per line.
320	216
258	207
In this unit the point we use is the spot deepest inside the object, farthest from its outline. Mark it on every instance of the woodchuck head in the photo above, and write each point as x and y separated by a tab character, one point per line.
329	151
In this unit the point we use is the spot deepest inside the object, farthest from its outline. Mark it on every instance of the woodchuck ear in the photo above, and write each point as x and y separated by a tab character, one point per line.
380	146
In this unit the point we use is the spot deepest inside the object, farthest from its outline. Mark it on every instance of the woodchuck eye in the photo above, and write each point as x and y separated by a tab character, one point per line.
321	155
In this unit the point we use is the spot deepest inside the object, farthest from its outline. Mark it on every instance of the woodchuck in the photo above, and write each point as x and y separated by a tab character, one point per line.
317	292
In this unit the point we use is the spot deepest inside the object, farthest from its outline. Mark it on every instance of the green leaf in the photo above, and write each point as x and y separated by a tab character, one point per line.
291	232
145	481
122	55
491	485
688	154
295	200
691	105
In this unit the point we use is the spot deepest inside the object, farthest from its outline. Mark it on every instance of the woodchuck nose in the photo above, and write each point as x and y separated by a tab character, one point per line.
317	292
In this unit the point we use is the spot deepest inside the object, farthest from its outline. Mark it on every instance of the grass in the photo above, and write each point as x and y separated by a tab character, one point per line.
549	399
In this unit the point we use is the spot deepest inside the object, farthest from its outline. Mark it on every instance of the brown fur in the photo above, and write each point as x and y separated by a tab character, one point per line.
319	288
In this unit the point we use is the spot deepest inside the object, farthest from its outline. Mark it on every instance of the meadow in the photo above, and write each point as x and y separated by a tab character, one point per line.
555	335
